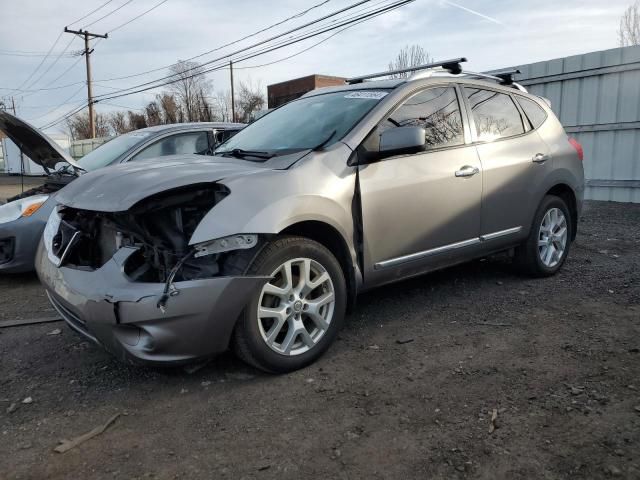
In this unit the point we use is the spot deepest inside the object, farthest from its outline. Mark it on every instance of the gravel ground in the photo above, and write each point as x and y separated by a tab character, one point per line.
408	390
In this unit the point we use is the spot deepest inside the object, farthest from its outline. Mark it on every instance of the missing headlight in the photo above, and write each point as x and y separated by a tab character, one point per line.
160	226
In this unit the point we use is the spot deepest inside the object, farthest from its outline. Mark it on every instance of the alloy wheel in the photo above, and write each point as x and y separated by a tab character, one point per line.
552	237
296	306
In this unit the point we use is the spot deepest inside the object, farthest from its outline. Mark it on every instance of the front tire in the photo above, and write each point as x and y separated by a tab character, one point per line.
296	316
546	249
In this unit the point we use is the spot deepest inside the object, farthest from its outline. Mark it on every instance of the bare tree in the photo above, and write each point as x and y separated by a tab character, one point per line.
153	114
136	120
171	111
190	88
205	109
222	106
409	56
629	32
118	123
249	101
79	126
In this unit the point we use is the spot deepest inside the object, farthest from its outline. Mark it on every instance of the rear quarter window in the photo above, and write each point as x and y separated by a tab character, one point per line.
534	112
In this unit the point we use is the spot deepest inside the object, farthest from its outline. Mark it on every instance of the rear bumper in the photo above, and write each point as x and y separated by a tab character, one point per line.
123	317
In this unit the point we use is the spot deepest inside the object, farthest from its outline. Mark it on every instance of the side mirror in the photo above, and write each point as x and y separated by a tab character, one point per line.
399	140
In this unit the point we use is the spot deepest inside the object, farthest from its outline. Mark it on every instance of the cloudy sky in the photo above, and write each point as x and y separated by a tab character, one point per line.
491	33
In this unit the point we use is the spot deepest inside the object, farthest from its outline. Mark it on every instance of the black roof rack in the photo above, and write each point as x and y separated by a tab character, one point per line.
507	76
451	65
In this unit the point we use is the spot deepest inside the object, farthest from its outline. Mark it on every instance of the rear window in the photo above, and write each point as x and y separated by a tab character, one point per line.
495	114
534	112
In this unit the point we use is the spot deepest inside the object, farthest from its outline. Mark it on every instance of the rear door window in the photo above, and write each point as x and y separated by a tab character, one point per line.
534	112
494	113
434	109
184	143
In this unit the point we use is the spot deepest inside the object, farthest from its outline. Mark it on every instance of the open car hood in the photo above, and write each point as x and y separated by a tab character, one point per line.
33	143
119	187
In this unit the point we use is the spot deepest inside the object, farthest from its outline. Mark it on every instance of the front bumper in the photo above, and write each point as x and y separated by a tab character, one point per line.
122	316
19	241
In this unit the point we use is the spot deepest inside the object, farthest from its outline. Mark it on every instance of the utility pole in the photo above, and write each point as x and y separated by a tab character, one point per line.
87	52
13	106
233	98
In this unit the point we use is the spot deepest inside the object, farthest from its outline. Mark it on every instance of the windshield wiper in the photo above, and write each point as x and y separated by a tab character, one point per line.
240	153
324	142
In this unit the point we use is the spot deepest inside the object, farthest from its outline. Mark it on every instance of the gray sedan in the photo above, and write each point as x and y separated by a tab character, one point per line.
22	218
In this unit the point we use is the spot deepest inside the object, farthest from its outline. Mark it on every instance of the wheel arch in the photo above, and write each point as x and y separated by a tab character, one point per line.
329	237
566	193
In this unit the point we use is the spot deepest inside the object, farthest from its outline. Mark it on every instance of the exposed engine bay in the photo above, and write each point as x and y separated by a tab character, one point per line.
160	226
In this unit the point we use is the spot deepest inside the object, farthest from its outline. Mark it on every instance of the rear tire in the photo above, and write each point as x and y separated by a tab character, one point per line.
296	316
546	249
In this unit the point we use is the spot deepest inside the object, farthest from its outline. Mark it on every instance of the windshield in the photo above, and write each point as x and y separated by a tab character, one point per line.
108	152
305	123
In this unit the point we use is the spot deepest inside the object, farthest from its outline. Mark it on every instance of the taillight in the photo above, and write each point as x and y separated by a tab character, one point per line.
576	144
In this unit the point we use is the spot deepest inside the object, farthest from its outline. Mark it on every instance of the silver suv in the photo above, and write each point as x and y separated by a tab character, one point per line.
266	245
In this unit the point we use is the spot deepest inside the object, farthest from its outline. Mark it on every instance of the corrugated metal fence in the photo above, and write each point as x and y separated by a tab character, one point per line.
597	98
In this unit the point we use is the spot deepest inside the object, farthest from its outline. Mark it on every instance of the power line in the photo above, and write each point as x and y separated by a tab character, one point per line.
17	53
137	17
58	39
64	117
261	65
91	13
297	15
87	51
52	64
121	106
60	87
301	51
149	86
109	14
350	22
65	102
41	62
262	42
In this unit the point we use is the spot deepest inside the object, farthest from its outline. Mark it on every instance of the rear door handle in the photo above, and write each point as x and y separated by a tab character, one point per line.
467	171
540	158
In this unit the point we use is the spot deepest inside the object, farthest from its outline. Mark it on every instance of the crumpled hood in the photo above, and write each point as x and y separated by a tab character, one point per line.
118	188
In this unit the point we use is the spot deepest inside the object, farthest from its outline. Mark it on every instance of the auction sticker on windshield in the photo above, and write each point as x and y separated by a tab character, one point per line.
367	95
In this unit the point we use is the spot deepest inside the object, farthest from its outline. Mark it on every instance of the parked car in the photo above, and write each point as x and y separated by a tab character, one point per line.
23	218
266	244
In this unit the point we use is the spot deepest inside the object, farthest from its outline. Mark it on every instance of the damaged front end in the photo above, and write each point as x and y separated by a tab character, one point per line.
159	227
132	282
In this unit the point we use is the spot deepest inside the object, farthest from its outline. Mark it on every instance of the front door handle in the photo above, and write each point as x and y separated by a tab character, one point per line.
467	171
540	158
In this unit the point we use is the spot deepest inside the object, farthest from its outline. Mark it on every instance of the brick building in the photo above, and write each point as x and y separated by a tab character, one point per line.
283	92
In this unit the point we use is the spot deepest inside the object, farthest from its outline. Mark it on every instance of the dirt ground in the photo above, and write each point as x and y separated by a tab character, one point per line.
408	390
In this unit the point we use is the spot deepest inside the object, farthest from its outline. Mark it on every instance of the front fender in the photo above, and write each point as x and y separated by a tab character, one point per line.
319	188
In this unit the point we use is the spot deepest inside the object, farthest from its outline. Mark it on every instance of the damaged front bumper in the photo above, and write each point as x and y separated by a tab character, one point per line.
123	316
